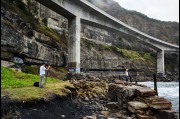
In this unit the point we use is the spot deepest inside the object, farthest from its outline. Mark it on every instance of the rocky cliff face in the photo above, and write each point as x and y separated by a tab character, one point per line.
19	39
102	57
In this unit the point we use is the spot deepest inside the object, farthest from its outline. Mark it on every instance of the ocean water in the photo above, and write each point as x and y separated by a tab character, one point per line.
168	90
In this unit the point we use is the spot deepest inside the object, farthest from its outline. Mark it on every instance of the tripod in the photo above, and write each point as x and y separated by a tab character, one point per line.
51	78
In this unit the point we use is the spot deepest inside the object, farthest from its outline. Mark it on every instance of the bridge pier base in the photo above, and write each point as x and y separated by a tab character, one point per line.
74	29
160	63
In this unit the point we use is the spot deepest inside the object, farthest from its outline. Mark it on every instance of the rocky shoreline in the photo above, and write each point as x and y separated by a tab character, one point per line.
95	99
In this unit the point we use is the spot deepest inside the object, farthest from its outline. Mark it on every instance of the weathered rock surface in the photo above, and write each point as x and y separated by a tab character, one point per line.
156	102
139	100
144	92
133	106
88	90
33	49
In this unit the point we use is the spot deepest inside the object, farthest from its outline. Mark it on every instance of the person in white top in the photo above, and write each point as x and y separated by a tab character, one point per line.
126	75
42	73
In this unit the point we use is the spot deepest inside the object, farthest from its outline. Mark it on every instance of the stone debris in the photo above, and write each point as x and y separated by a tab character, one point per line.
116	100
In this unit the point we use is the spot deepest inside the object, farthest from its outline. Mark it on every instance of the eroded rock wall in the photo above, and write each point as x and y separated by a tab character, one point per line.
19	39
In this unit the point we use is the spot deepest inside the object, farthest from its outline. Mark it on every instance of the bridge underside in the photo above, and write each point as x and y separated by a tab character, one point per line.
81	11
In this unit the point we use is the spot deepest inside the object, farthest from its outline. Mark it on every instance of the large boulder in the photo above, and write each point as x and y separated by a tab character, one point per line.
121	93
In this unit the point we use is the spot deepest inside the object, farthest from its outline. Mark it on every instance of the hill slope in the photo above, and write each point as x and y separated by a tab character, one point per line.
167	31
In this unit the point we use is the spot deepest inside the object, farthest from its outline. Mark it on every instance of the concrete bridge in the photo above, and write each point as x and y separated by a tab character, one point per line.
81	11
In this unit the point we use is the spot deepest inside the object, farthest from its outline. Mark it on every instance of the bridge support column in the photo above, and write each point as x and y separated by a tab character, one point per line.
74	44
160	62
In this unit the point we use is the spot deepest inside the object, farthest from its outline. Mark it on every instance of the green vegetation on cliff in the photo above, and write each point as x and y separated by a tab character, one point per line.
125	53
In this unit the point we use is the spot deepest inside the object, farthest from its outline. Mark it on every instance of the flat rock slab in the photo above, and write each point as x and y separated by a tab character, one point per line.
146	92
142	91
135	105
156	102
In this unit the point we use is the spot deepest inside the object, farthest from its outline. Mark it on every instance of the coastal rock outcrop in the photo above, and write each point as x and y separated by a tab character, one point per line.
141	101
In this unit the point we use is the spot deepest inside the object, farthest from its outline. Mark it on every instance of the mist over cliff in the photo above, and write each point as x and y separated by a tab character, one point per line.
167	31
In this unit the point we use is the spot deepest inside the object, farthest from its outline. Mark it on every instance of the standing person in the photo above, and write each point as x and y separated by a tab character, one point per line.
42	73
126	75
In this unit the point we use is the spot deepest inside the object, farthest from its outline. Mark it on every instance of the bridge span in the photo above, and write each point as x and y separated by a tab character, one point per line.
81	11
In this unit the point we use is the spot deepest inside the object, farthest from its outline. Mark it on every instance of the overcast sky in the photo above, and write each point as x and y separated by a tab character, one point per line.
164	10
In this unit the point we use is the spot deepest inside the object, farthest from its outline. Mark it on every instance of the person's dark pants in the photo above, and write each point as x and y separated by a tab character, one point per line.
126	77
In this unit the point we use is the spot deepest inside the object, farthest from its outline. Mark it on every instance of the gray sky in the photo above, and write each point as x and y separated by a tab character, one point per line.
164	10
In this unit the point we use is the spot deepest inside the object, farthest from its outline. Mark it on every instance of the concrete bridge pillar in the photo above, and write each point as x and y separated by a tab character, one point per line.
160	62
74	30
